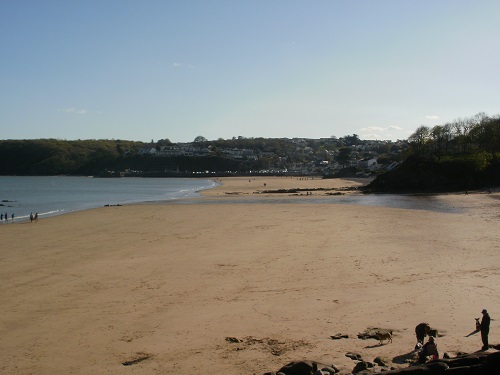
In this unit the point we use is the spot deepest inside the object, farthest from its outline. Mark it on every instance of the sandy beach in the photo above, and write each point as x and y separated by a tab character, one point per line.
244	288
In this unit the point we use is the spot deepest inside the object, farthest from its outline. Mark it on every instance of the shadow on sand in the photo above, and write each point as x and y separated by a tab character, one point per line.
373	346
405	359
472	333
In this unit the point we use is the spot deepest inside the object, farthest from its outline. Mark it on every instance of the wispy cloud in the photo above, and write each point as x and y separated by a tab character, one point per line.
379	132
73	110
373	129
432	117
178	65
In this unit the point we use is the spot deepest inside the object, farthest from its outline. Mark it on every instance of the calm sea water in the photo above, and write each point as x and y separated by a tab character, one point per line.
57	195
50	196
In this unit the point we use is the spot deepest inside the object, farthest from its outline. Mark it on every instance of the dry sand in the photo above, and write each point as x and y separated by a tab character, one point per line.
167	284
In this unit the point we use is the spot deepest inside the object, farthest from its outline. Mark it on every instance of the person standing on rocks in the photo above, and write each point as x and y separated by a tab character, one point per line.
485	329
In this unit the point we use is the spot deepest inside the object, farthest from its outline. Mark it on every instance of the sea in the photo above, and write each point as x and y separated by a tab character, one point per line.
56	195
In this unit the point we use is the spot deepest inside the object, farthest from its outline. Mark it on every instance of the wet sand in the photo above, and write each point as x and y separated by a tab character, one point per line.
161	287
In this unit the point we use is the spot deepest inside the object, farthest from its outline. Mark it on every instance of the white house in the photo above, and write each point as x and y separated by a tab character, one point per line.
368	163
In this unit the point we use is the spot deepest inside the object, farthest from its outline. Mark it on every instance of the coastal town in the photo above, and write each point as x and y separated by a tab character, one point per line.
294	156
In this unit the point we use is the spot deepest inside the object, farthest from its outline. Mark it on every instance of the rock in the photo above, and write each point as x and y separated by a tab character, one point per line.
471	364
339	336
379	361
330	369
307	368
360	366
437	367
354	356
480	363
301	368
493	361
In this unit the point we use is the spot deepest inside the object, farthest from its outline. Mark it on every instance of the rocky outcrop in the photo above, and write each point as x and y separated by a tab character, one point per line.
418	174
306	368
481	363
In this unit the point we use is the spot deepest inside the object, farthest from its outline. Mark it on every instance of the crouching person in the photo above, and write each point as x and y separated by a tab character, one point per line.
428	350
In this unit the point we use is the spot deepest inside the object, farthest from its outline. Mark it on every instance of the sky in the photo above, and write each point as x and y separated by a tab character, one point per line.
146	70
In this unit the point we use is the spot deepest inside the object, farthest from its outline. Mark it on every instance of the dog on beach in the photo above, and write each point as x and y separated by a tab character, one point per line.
381	336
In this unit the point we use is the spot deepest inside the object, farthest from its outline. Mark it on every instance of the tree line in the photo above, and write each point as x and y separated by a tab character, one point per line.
467	136
460	155
56	157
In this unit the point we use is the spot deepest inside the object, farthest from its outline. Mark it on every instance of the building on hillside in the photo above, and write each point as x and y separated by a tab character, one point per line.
169	151
368	163
147	151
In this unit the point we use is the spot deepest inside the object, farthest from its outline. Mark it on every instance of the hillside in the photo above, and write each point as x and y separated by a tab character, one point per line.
424	175
461	155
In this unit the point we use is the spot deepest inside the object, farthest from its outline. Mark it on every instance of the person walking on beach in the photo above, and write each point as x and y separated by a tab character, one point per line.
36	216
485	329
31	217
12	217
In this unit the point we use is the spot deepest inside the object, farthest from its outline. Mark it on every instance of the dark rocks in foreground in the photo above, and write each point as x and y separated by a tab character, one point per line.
480	363
306	367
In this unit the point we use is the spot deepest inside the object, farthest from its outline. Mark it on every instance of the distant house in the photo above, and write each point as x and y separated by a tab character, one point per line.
267	154
147	151
368	163
201	152
170	151
233	153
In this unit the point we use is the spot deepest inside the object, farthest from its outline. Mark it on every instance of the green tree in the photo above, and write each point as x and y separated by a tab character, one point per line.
200	139
419	139
344	156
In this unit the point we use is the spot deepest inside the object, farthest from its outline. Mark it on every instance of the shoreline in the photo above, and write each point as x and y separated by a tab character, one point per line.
319	189
167	284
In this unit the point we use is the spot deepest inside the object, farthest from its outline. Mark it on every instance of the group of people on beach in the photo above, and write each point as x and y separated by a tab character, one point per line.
430	350
6	217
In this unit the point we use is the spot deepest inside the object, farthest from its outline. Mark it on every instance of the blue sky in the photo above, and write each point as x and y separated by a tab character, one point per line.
142	70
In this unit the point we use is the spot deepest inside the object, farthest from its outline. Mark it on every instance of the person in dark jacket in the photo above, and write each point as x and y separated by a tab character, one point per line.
421	331
485	329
